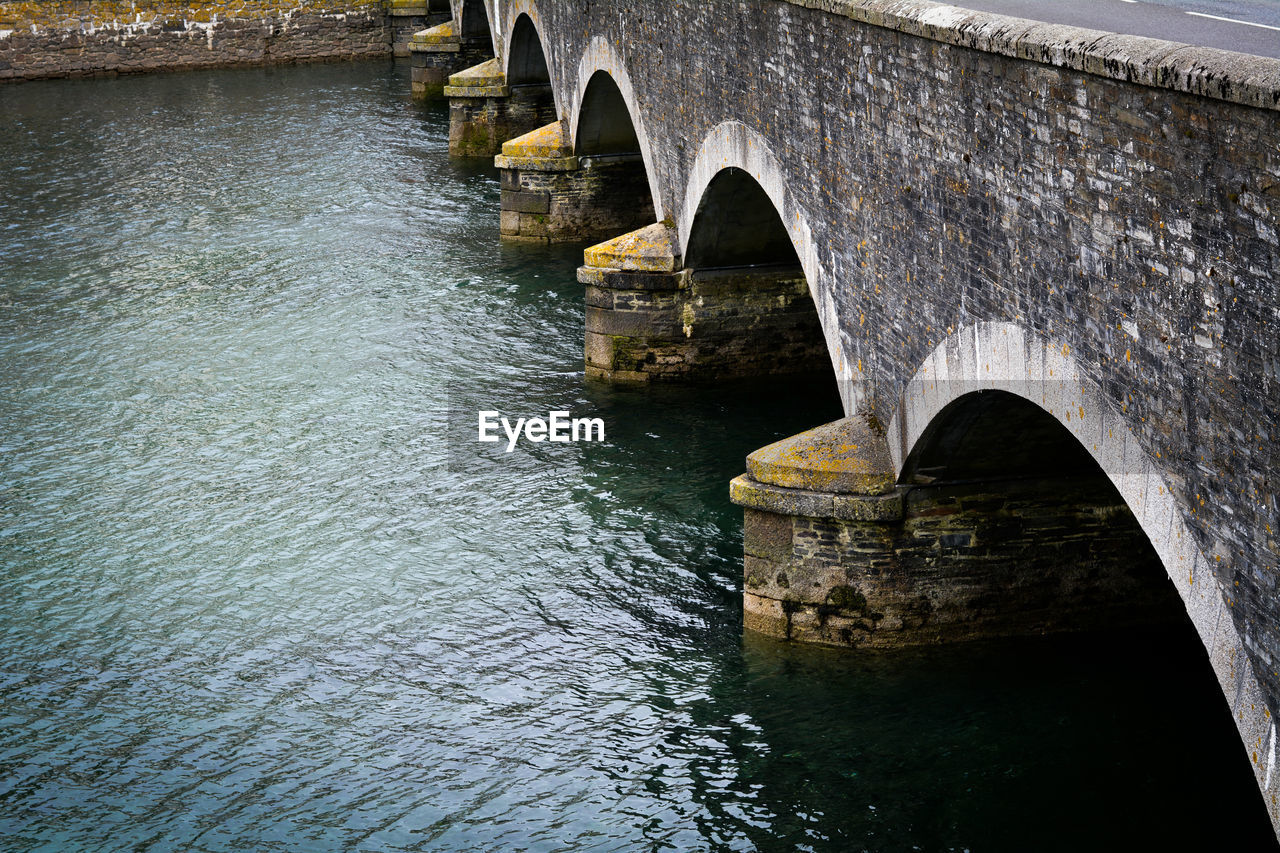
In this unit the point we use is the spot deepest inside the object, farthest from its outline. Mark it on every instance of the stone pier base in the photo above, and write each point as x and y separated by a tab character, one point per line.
485	112
836	553
436	54
551	196
649	319
407	17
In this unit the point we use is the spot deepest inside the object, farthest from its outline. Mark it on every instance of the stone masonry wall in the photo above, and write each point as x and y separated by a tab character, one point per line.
596	201
83	39
656	327
1019	557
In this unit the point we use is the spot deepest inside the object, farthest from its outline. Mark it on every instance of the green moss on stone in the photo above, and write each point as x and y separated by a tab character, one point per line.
846	598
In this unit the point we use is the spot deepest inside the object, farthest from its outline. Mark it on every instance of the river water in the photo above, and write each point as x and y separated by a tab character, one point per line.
254	597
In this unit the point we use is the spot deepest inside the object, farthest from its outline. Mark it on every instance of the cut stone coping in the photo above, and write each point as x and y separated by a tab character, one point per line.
441	34
486	75
548	141
1225	75
408	7
616	279
747	492
849	457
537	164
653	248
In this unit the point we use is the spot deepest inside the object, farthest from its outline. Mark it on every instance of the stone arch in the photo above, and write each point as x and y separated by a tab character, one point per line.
733	145
598	57
1001	356
526	62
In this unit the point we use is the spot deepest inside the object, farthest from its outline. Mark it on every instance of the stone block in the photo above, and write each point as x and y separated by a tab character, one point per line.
766	535
849	457
654	248
526	202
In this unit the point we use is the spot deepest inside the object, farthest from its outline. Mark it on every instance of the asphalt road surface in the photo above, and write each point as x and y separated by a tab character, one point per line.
1246	26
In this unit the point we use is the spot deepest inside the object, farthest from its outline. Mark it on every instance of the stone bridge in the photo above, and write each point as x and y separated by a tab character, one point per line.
1041	264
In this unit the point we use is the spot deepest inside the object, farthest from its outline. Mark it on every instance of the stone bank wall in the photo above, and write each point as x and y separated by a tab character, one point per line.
87	39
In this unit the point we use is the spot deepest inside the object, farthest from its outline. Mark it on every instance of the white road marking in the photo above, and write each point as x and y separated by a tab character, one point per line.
1232	20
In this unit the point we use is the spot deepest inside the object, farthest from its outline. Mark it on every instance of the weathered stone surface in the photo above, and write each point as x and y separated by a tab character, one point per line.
648	322
525	202
847	457
749	492
654	248
565	199
442	37
108	38
551	141
956	562
406	18
439	52
588	199
484	112
1239	78
479	81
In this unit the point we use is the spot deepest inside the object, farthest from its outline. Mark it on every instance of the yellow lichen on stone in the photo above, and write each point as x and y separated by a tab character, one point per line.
439	34
848	456
547	142
654	248
487	74
68	15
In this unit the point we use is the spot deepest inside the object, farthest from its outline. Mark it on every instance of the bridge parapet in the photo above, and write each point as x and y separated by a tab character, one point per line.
1213	73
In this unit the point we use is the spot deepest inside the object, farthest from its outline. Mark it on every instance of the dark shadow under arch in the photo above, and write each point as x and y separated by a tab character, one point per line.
605	126
744	273
737	226
998	480
475	24
996	435
527	64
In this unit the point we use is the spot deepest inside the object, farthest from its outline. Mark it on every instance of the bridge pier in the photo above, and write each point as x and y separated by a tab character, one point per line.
485	112
651	319
436	54
837	553
407	17
550	196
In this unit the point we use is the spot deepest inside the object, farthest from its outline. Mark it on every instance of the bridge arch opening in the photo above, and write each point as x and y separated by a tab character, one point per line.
526	59
993	435
736	225
474	26
747	286
611	160
532	103
996	478
605	127
1059	549
996	355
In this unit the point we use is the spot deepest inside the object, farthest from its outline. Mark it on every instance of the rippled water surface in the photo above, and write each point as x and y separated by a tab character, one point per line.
251	600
